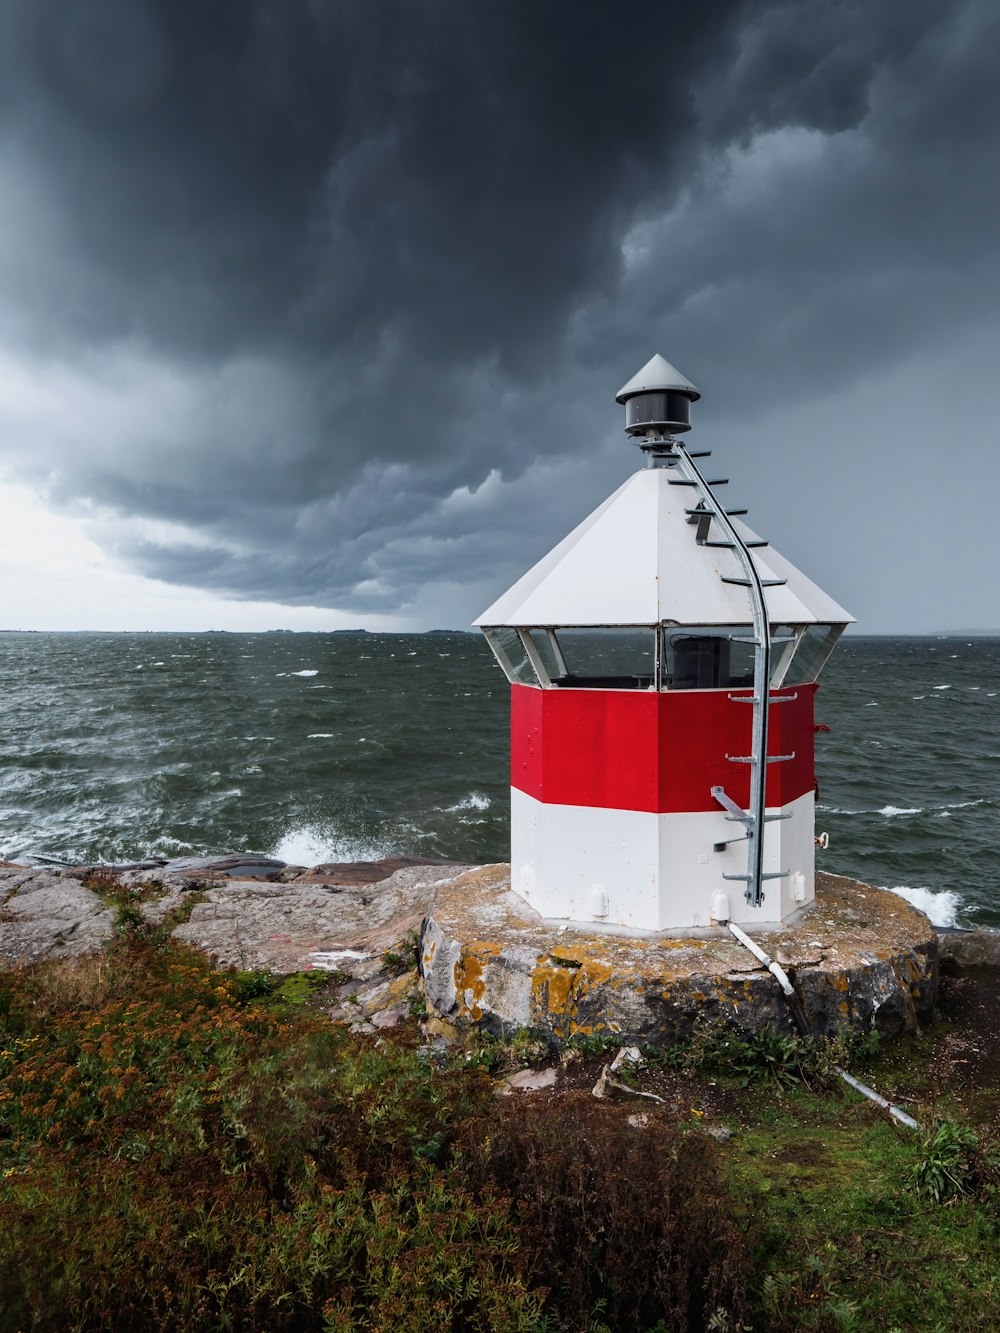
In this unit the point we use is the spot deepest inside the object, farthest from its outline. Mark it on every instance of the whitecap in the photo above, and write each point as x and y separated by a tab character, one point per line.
320	736
872	705
941	907
890	811
309	846
307	672
474	801
942	687
174	845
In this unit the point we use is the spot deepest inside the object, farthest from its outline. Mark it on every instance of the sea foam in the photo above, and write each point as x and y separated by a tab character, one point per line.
942	908
474	801
308	846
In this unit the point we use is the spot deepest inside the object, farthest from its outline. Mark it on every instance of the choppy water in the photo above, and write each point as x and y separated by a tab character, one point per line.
320	747
910	773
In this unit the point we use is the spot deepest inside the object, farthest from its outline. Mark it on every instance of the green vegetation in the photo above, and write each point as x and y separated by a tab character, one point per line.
714	1048
290	991
186	1148
405	958
130	922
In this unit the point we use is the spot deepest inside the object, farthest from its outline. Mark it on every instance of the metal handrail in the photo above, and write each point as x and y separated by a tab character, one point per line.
755	818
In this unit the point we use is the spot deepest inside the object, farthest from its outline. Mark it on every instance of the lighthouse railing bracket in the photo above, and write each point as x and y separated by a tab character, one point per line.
764	874
752	698
755	816
748	583
736	810
729	545
752	759
701	511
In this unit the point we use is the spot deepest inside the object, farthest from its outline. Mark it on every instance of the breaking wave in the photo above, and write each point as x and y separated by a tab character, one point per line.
942	907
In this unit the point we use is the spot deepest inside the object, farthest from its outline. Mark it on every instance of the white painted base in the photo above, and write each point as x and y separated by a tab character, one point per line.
651	871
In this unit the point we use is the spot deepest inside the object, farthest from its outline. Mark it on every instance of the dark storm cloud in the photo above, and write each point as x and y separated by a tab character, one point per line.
333	289
303	176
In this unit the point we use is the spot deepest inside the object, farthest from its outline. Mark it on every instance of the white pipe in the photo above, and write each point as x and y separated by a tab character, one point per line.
873	1096
774	968
789	990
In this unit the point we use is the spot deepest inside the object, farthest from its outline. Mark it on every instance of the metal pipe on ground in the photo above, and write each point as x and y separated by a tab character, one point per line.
802	1023
779	974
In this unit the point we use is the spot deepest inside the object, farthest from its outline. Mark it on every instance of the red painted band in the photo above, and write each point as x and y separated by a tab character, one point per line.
642	750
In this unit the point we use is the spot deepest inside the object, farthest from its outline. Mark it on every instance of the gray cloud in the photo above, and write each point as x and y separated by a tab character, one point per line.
326	303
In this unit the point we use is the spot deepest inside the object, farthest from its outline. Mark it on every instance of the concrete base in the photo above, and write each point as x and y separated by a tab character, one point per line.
858	957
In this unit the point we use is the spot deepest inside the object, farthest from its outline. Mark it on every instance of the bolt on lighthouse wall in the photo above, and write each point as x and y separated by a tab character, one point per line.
660	724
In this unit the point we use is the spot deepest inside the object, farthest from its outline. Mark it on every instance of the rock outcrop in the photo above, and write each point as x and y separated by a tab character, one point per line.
45	914
360	920
858	957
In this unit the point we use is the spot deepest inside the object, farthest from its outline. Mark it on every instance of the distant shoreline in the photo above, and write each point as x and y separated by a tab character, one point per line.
424	633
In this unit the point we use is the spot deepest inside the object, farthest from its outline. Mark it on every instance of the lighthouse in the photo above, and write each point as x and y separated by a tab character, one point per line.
663	663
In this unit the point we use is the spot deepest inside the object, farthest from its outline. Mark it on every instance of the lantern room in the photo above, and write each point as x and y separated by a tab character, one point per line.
663	661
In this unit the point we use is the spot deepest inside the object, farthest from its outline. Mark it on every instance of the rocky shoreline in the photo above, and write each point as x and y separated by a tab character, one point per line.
360	920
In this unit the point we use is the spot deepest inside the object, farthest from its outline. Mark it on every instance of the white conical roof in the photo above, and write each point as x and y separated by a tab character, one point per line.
635	561
657	376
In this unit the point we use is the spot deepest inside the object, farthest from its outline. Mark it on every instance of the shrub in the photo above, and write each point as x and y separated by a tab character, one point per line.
175	1157
952	1162
185	1148
714	1047
629	1220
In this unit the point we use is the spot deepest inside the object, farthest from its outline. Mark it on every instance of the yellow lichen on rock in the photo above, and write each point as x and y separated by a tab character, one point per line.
470	976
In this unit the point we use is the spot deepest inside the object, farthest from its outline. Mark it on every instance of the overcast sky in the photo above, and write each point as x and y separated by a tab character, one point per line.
313	311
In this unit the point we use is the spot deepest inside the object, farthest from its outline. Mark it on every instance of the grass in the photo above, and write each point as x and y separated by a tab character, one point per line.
188	1148
850	1240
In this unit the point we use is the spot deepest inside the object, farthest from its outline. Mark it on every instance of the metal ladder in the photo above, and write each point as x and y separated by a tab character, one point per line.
707	511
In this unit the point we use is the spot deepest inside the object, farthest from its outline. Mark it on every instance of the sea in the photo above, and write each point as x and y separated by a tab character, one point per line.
346	746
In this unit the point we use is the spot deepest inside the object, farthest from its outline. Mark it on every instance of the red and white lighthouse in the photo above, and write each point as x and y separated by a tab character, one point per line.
663	663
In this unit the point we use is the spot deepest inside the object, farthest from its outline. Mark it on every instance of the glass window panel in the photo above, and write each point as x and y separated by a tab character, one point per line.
545	647
782	647
510	653
715	657
611	659
814	648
